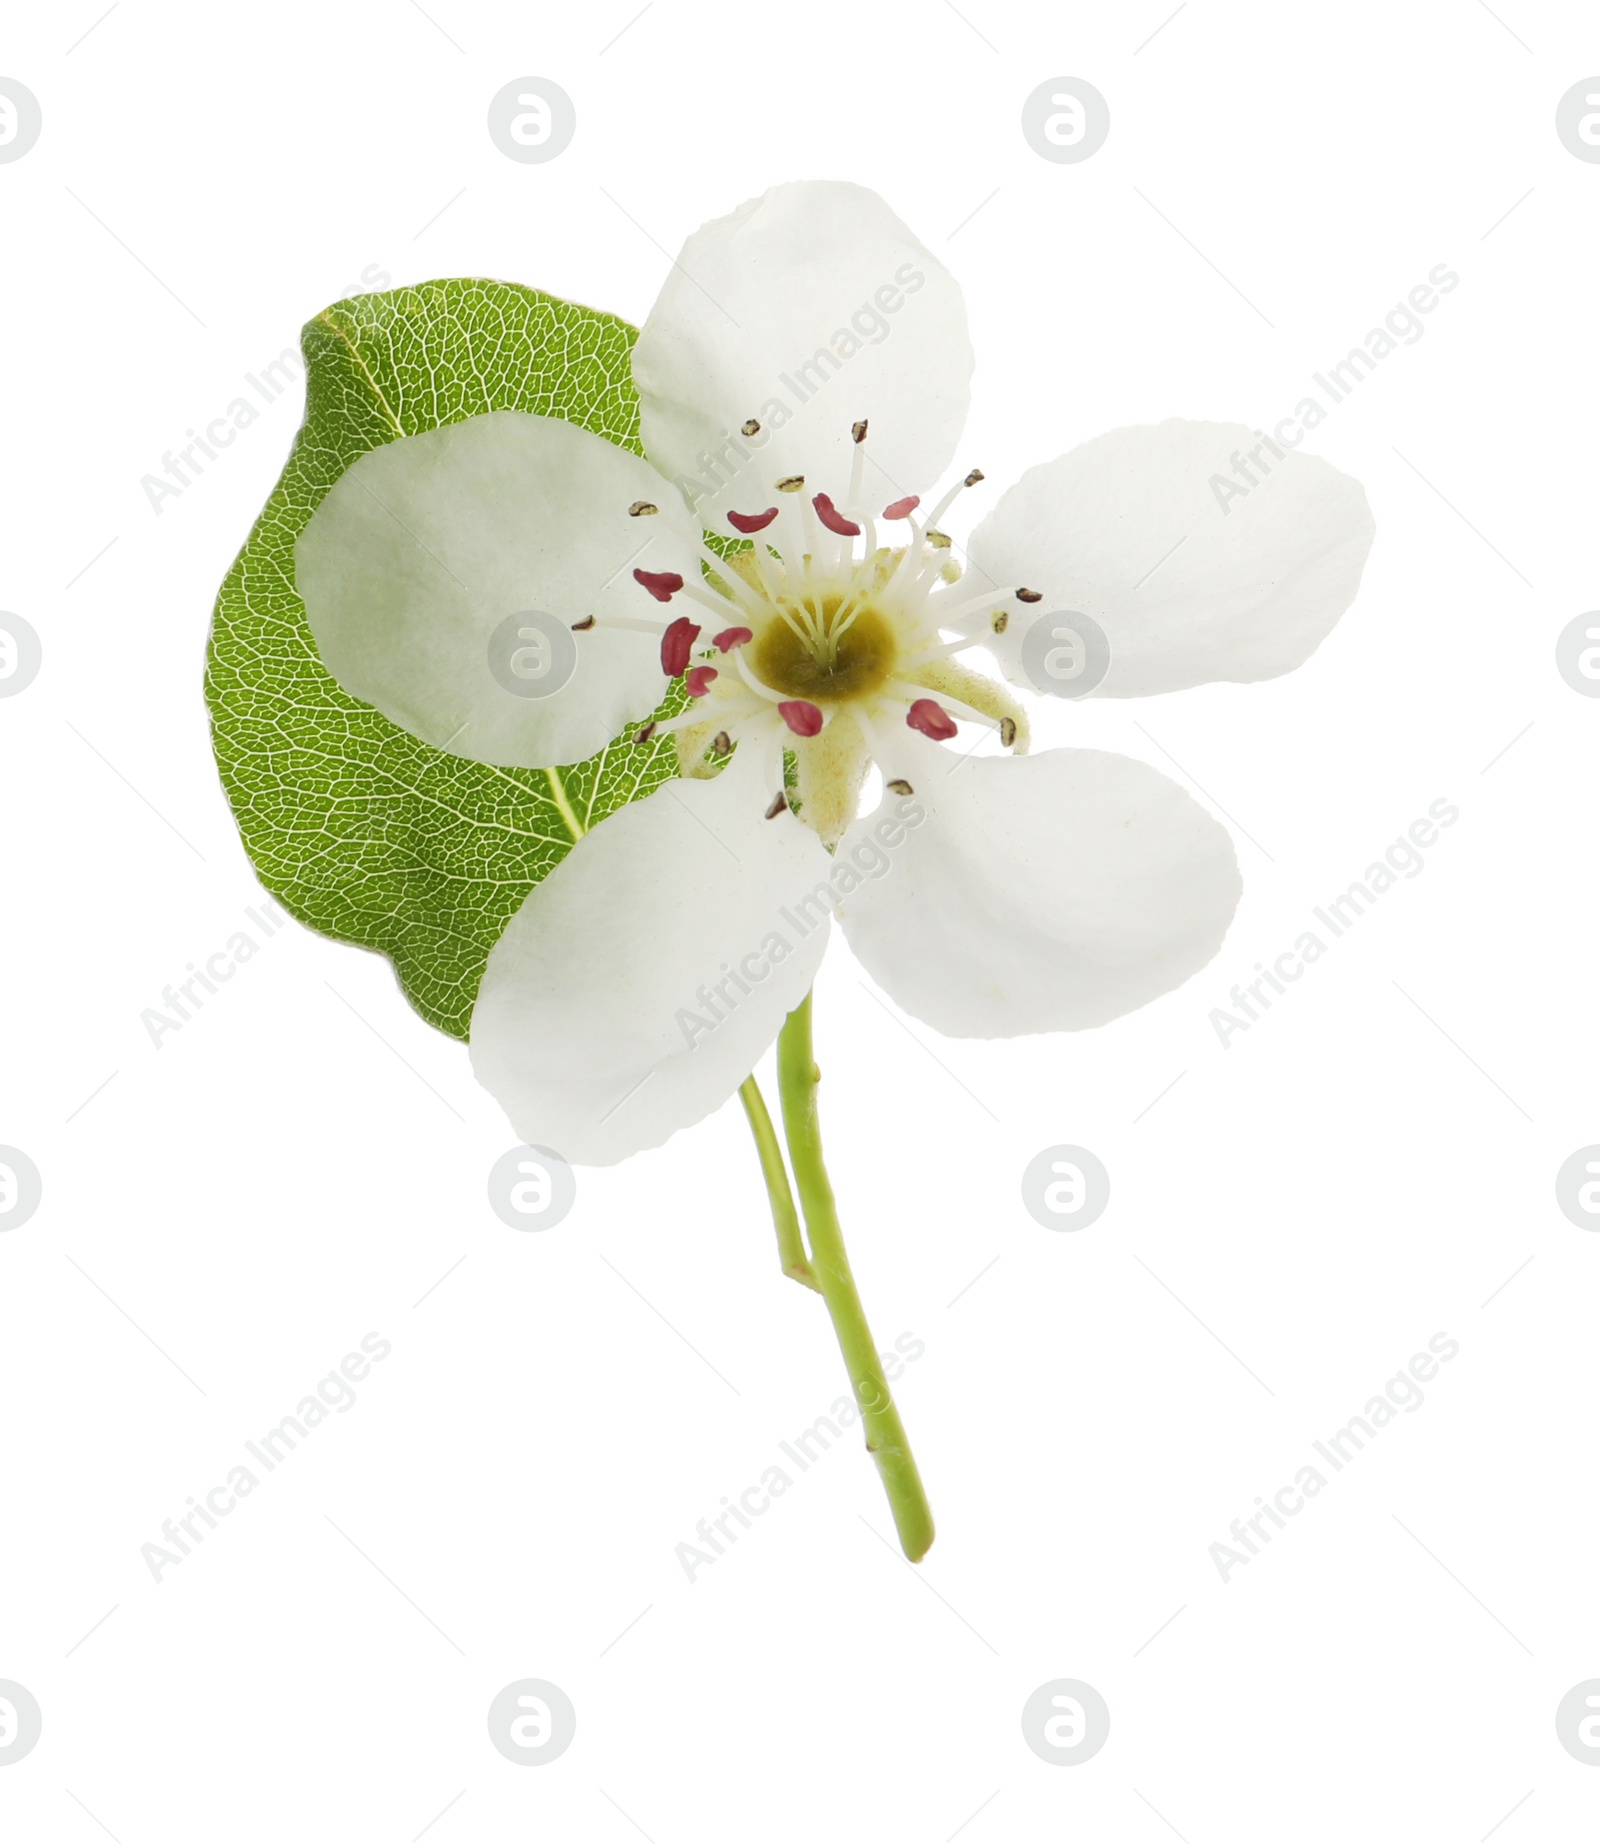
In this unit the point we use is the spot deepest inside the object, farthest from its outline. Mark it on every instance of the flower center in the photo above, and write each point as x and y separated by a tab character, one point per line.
829	648
816	651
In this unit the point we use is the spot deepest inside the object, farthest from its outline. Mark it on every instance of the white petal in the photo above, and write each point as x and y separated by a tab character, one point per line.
806	309
610	1014
424	547
1036	893
1190	582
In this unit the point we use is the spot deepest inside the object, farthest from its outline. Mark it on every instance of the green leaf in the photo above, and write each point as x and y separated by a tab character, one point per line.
355	826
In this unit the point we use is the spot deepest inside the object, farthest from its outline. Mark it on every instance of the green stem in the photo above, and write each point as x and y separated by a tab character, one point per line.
785	1219
798	1076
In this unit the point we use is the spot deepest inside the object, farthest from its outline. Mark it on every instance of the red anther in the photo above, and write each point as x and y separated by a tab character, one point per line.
675	644
803	717
662	584
833	518
752	521
903	508
697	680
931	719
731	637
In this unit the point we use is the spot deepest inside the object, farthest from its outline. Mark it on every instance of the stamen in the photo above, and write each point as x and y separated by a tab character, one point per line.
731	637
973	478
641	509
1008	731
721	743
748	522
858	431
750	428
834	519
644	733
1001	621
805	718
662	584
583	626
780	800
1029	595
750	679
697	680
899	786
675	644
791	483
931	719
902	508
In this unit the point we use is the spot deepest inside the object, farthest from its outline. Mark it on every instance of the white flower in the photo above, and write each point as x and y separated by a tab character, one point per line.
803	379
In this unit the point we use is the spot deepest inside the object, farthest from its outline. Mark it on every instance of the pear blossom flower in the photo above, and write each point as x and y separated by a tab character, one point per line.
803	380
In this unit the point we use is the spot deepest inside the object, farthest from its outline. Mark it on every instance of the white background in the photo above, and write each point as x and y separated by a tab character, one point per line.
229	1214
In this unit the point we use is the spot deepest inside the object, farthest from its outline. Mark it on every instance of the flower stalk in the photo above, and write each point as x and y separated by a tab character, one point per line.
798	1077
